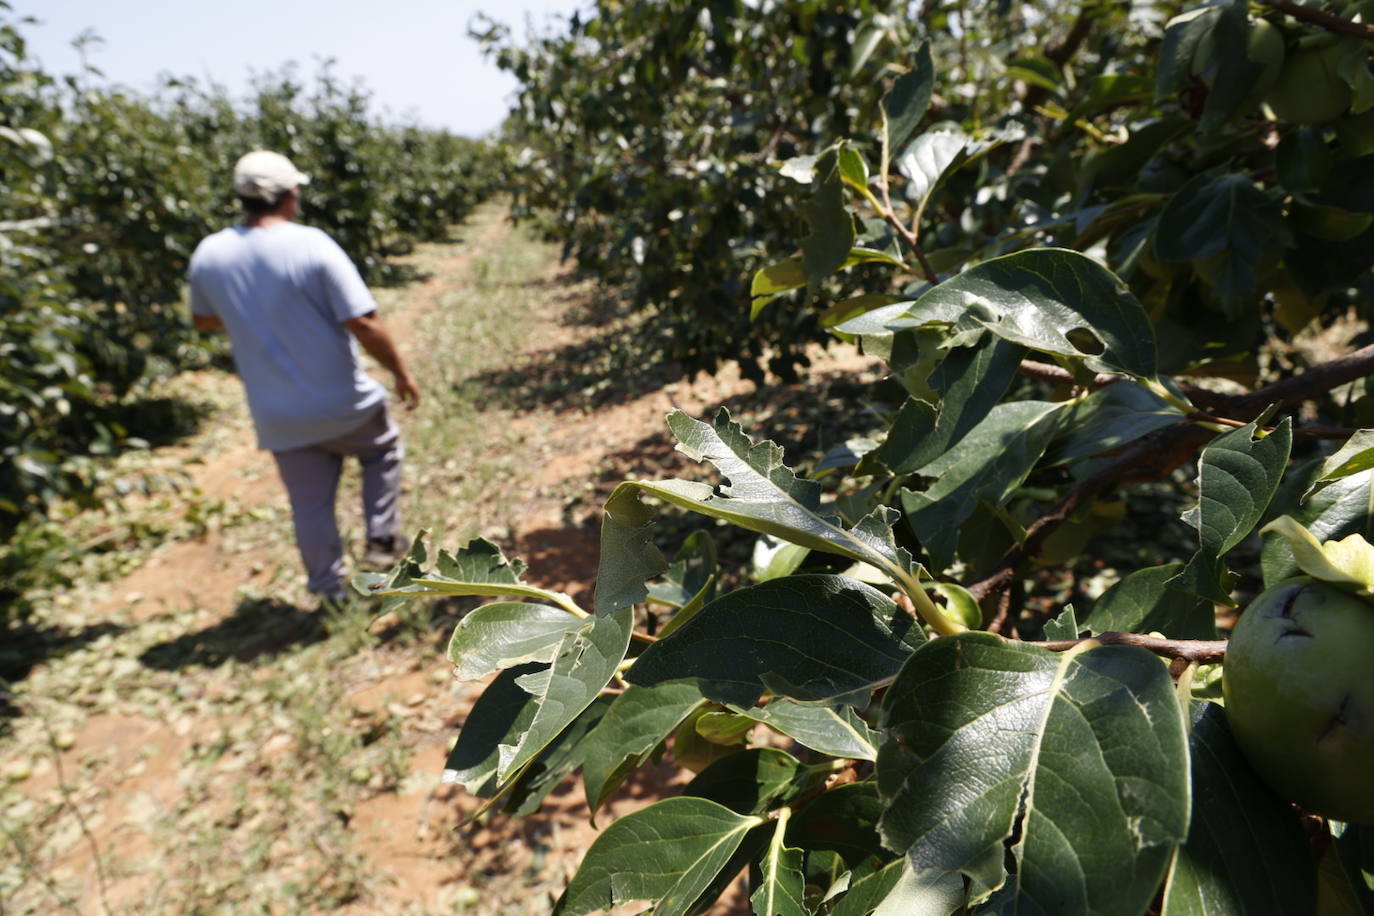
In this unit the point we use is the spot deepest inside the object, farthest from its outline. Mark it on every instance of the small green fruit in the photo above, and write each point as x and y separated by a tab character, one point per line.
1300	696
1264	46
1310	91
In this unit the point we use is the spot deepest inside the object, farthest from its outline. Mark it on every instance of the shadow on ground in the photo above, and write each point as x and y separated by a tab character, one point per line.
160	421
611	366
259	629
25	645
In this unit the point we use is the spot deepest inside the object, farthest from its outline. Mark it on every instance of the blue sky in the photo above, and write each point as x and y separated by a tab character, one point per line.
414	55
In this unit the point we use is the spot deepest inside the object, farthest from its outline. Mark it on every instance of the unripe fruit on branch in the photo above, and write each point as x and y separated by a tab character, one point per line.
1299	689
1310	91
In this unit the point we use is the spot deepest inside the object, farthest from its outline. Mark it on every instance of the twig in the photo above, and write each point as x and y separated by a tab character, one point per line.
1328	21
1153	456
1202	651
1160	452
63	901
1061	52
76	810
1323	432
908	235
1317	380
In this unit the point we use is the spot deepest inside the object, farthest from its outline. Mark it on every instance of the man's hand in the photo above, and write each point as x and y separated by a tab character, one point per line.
407	391
377	342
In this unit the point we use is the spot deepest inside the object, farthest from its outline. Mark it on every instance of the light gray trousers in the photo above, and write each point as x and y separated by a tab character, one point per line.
311	475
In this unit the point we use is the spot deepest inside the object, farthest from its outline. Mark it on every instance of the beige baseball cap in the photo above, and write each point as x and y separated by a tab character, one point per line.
266	175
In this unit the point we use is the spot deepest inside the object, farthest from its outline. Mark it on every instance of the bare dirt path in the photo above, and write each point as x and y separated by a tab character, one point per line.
218	744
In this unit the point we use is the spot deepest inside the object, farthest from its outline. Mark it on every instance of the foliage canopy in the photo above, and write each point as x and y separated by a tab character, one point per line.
1117	264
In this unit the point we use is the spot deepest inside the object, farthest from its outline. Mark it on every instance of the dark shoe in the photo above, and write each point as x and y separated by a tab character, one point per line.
335	601
382	553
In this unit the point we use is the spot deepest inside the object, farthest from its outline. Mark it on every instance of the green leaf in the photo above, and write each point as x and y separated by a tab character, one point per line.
1182	36
826	247
1302	162
1037	70
923	895
547	771
853	168
392	584
1108	419
1355	845
1234	74
781	887
1055	301
1085	749
639	720
867	37
970	381
765	496
1247	851
926	161
749	782
1335	512
988	464
1354	457
1144	603
1328	222
906	102
842	638
478	568
774	559
843	820
848	309
1348	563
838	731
584	664
1237	477
772	281
629	556
868	893
1063	626
801	169
691	575
501	714
505	634
676	847
701	741
1225	218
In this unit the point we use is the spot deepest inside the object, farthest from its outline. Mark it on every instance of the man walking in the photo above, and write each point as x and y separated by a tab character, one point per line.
294	305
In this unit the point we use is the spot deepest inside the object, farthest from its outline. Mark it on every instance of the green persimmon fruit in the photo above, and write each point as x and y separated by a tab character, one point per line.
1299	687
1310	91
1264	46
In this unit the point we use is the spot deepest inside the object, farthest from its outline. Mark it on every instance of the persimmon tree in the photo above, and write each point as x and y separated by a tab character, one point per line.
106	192
1127	318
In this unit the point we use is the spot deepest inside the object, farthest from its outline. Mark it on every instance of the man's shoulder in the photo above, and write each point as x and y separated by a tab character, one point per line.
214	245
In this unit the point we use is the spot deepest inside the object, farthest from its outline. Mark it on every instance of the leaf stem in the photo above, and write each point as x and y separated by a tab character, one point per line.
926	609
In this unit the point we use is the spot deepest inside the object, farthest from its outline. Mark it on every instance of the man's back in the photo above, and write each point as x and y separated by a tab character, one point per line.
283	292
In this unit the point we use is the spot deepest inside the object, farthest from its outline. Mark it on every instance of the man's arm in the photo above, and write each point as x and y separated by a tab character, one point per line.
207	322
372	335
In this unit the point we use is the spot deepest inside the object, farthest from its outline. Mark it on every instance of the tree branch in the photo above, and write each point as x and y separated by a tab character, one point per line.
1151	457
1202	651
1158	453
1328	21
1317	380
1061	52
1245	407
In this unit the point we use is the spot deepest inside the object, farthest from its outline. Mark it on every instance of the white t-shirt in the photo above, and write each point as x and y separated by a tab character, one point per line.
283	292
